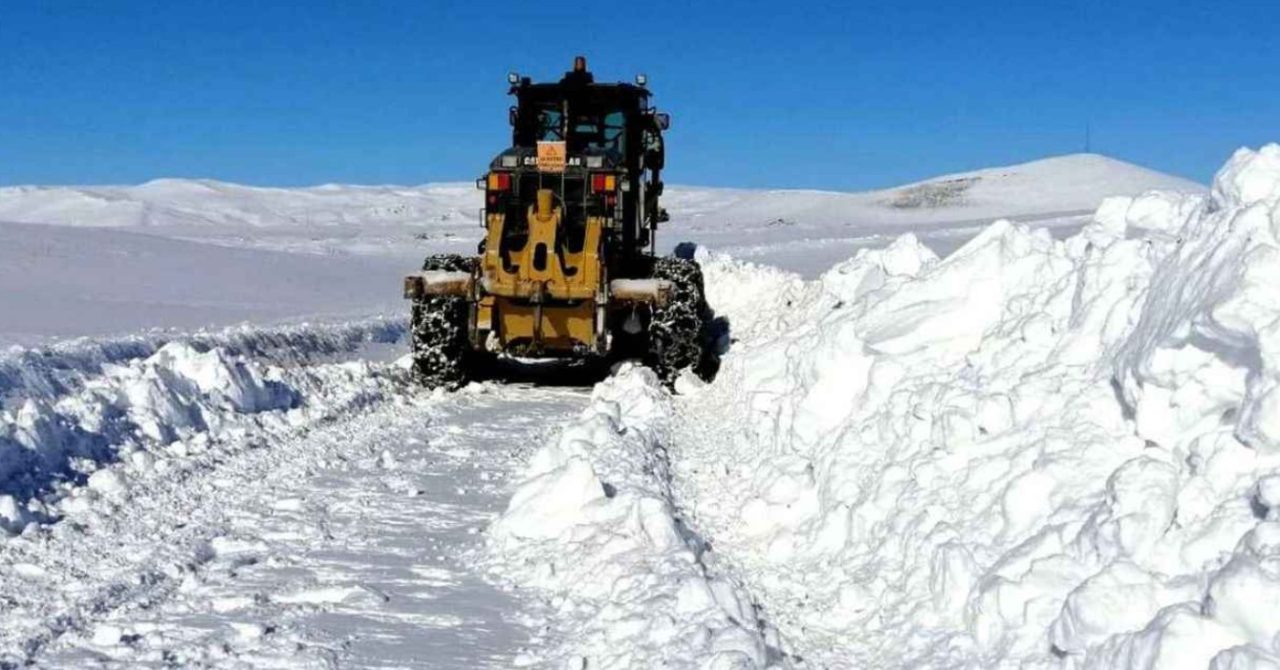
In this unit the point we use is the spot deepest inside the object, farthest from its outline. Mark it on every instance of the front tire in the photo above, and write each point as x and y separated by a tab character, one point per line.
439	342
679	331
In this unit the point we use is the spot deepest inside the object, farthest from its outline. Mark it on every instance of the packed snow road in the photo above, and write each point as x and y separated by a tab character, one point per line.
346	534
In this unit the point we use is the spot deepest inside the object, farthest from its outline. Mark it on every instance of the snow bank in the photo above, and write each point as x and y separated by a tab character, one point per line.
62	367
592	528
1033	451
70	410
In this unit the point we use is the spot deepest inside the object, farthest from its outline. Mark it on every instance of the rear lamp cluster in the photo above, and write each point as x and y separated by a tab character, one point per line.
499	181
602	183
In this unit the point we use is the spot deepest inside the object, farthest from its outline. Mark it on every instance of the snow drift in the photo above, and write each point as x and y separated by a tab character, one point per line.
592	528
70	412
1031	452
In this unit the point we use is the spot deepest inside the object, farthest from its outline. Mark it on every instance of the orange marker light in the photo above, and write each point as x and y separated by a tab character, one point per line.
499	181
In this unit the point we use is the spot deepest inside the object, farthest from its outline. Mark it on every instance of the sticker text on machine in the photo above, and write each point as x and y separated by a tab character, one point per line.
551	156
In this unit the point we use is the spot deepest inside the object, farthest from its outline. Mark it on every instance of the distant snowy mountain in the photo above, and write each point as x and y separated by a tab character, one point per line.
1068	184
170	203
808	231
1050	186
359	238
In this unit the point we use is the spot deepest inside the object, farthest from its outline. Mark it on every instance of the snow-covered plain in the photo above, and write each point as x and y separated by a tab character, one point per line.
191	253
1048	441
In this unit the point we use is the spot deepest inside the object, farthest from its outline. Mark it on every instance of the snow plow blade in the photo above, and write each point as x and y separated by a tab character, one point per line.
434	282
654	291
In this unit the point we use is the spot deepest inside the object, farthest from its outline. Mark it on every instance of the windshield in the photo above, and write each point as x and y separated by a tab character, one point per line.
599	132
594	129
548	125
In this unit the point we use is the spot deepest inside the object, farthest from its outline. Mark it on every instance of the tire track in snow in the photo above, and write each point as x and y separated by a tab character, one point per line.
339	542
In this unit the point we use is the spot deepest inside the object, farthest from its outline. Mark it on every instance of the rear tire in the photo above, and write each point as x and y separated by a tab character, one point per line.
439	342
678	332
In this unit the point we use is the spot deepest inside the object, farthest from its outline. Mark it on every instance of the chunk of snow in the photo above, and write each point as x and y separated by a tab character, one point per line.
551	503
1250	176
13	516
627	575
109	483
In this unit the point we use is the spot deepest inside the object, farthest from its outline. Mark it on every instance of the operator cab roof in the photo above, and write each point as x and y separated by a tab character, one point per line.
577	83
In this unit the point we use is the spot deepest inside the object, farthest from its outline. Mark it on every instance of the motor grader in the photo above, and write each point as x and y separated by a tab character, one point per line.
567	266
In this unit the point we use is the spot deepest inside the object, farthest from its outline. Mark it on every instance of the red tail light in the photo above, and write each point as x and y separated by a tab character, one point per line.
603	183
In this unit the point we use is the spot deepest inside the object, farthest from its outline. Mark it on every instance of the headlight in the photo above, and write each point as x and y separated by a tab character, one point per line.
594	162
510	161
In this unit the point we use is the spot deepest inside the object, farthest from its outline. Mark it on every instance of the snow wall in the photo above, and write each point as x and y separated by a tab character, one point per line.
1034	452
69	410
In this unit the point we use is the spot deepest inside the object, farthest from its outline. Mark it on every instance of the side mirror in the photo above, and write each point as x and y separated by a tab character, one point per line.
663	119
511	116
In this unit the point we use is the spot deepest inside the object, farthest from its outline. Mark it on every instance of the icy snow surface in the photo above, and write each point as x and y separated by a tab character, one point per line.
254	498
594	528
1057	446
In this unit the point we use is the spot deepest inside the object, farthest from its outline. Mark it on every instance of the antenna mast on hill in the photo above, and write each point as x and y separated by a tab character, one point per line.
1088	138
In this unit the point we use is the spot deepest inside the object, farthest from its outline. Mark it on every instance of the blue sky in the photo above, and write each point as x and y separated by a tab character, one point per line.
763	94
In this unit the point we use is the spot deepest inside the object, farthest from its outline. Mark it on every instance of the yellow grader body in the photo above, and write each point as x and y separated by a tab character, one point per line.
549	298
537	299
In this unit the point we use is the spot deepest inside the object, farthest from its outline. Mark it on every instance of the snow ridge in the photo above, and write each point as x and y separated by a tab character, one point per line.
592	528
97	456
54	370
1032	452
71	408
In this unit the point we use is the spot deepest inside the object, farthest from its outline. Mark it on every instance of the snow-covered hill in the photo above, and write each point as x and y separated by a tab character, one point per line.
177	254
1070	183
176	203
1055	185
808	231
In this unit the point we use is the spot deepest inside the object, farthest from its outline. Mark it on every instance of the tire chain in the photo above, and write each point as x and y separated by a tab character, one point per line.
677	334
441	351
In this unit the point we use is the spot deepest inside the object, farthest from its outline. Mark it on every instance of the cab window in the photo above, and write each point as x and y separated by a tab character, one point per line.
600	132
548	126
